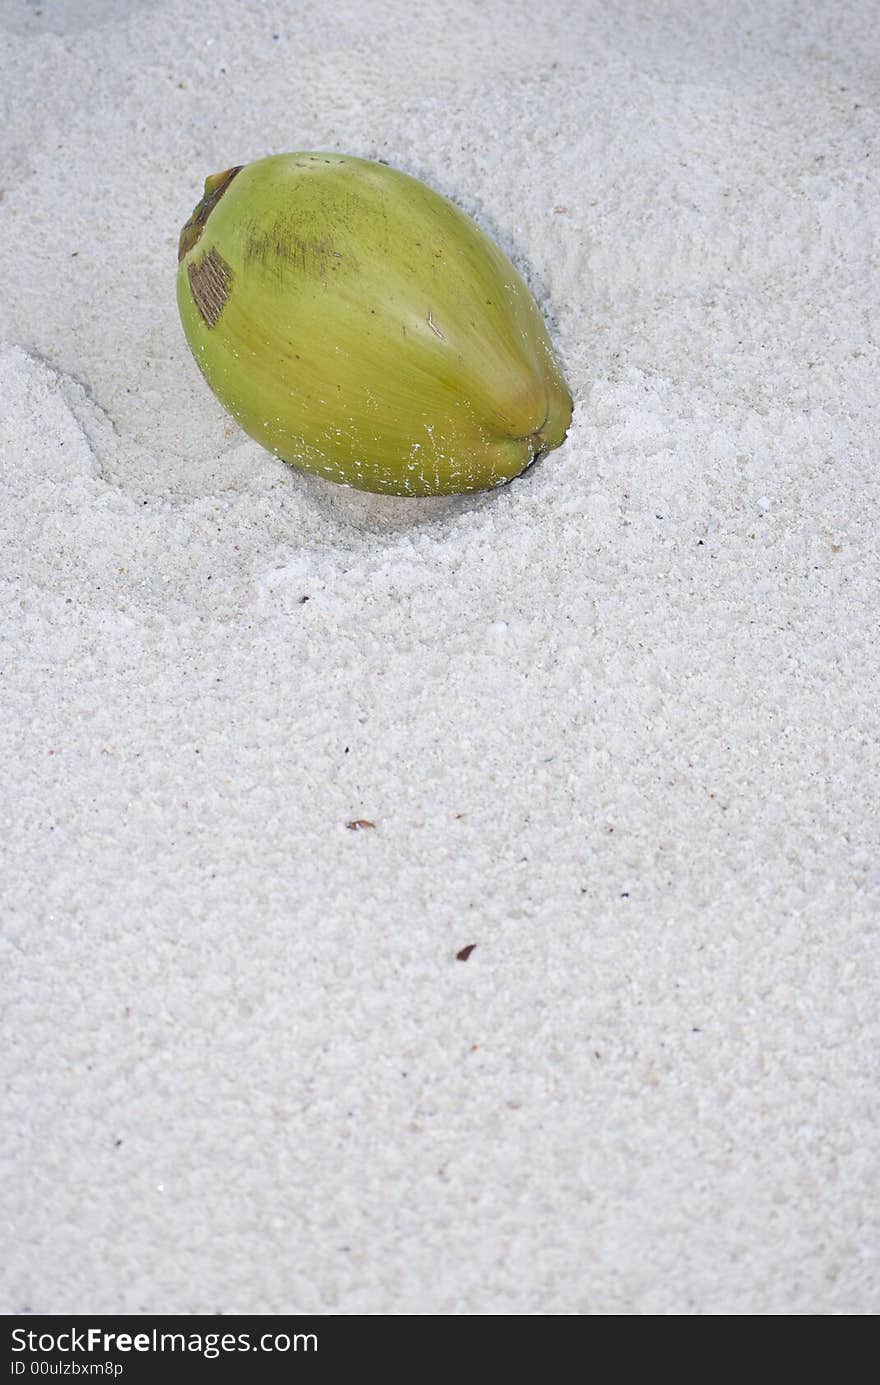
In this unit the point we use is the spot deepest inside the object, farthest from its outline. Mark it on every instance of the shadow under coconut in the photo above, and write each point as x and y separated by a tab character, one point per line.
385	514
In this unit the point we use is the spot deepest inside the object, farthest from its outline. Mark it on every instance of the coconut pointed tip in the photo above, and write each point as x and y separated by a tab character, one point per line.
215	186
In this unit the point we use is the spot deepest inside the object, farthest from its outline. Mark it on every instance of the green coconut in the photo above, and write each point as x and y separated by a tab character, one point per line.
362	327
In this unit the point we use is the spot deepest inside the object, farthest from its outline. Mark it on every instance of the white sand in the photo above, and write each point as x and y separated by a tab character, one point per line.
615	724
